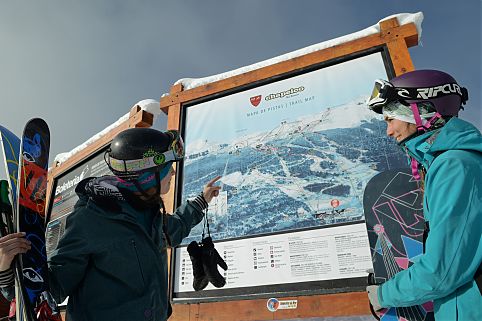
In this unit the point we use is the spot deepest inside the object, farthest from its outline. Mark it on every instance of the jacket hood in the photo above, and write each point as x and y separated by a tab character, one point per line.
457	134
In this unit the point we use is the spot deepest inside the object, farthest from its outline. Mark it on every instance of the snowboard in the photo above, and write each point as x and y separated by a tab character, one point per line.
393	207
30	218
11	151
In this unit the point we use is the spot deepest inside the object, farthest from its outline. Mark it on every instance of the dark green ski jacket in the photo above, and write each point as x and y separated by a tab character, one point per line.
110	264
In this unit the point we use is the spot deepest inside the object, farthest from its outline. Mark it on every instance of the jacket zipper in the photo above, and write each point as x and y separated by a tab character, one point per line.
138	260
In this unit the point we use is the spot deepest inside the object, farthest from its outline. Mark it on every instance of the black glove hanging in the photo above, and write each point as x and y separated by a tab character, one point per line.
205	260
195	253
211	259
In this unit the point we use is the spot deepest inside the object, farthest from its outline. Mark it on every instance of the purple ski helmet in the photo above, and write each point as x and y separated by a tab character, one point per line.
436	87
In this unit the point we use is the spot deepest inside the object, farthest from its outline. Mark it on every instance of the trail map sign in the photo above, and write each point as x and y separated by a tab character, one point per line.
285	150
295	146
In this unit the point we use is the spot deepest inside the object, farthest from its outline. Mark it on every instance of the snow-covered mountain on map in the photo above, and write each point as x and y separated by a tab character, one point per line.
289	177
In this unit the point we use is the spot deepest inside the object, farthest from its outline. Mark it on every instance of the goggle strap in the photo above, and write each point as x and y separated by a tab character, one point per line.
416	115
142	164
423	125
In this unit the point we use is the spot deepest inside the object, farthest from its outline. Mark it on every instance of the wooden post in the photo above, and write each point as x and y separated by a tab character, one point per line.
398	44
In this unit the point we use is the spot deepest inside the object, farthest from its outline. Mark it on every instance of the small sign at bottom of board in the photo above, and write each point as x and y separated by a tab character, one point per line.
274	304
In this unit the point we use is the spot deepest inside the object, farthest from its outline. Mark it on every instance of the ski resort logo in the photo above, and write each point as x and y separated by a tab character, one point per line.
272	304
71	183
255	100
286	93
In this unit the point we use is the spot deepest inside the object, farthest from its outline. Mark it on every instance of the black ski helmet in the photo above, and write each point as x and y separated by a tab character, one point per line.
138	150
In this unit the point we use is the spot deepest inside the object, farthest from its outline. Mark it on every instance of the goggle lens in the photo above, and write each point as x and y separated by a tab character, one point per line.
376	90
379	93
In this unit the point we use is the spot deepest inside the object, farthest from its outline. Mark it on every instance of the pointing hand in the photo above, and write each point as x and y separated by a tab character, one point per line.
210	190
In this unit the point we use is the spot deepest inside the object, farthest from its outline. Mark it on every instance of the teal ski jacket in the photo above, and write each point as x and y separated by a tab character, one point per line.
452	156
112	261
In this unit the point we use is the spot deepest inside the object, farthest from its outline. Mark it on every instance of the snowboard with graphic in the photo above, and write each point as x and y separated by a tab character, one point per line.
30	218
393	208
11	151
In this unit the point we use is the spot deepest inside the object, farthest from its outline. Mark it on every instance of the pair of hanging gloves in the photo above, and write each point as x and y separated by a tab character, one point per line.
205	260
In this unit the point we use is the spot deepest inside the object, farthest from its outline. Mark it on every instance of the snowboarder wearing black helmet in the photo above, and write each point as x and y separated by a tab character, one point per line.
112	261
421	109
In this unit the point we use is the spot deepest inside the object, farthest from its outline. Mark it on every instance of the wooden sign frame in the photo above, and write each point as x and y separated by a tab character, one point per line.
393	38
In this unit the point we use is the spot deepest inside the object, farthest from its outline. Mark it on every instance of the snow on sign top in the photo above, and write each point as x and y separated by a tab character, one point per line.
403	18
149	105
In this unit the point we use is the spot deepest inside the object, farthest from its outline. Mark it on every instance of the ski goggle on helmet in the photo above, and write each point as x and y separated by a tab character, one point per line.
138	150
436	87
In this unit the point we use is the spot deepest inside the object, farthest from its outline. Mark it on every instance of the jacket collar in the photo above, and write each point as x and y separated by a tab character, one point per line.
419	147
457	134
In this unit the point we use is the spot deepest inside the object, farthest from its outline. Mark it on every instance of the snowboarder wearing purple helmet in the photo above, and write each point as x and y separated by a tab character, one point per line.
445	152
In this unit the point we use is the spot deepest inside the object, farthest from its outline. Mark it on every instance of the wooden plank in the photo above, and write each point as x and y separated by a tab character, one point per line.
330	305
183	312
398	47
174	116
173	122
401	60
140	118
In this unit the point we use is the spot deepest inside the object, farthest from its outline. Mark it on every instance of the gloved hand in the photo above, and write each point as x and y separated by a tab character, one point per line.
200	278
373	297
211	259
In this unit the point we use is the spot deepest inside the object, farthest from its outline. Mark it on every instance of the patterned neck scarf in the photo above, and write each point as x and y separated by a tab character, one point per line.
396	110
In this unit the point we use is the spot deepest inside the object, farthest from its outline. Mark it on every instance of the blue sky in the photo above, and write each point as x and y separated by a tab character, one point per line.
81	65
